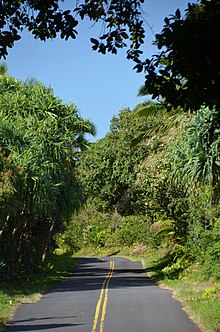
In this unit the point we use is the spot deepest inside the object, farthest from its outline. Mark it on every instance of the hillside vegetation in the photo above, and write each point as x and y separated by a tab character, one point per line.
160	193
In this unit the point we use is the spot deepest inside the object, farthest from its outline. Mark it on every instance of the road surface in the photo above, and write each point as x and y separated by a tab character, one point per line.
104	295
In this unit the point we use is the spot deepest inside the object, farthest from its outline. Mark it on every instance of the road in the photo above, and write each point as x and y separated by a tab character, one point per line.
104	295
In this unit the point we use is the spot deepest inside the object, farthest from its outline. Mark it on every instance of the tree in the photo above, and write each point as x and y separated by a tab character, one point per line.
40	139
186	70
195	156
107	167
121	20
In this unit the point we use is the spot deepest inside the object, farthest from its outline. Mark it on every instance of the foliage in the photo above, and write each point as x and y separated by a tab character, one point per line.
3	69
165	202
204	244
107	168
185	72
133	230
135	179
39	139
89	228
212	263
6	172
121	21
196	155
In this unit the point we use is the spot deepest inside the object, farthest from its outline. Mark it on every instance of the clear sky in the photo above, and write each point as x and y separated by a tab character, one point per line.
99	85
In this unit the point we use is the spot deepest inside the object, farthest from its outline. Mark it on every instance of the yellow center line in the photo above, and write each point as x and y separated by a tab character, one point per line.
104	289
106	299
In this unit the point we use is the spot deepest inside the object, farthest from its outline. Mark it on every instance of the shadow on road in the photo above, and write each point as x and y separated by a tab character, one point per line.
89	276
70	305
38	327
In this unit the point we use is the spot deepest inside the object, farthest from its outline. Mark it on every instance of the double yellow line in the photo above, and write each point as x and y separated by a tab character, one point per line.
102	301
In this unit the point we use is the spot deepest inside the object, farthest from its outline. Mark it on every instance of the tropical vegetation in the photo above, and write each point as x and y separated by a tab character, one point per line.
40	142
161	193
150	187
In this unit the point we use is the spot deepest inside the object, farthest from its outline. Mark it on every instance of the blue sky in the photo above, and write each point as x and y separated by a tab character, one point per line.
99	85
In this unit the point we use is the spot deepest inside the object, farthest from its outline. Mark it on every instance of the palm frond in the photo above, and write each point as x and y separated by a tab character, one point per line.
142	91
3	68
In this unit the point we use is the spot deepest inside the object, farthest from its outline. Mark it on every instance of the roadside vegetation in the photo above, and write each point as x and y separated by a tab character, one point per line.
40	141
198	293
30	288
149	189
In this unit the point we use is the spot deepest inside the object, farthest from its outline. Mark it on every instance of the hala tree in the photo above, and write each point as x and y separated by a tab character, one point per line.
40	139
195	156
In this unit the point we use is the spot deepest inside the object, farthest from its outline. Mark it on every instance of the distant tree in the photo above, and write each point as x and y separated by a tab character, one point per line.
121	21
107	167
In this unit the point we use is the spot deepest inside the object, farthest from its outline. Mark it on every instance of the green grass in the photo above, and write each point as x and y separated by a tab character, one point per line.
201	300
199	295
31	289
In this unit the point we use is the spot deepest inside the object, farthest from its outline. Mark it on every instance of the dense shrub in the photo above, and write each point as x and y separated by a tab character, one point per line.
89	228
133	230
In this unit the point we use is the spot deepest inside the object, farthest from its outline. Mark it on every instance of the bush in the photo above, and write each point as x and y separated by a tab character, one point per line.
89	228
204	244
133	230
212	263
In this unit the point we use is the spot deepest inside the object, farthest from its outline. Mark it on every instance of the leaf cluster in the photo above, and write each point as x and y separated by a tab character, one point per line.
195	157
121	20
42	20
185	72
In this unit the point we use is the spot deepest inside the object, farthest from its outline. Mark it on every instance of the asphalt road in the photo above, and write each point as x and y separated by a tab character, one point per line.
104	295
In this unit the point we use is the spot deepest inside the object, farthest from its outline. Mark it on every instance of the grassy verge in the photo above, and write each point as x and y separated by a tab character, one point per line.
30	291
199	295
